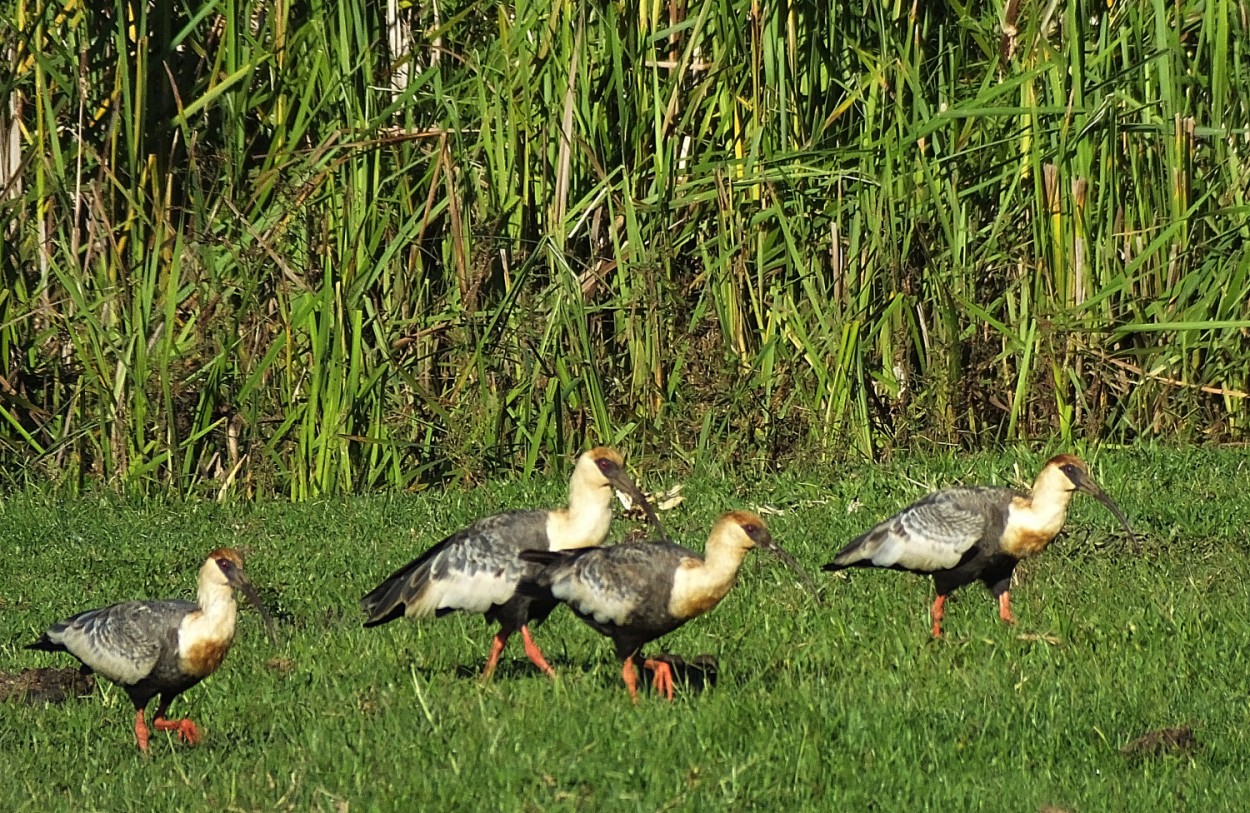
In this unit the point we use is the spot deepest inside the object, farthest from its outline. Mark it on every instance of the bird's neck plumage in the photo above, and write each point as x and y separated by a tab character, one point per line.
206	633
1051	496
700	584
1034	521
586	519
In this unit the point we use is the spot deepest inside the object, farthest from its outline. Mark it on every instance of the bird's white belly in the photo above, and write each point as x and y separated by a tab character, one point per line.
474	593
919	555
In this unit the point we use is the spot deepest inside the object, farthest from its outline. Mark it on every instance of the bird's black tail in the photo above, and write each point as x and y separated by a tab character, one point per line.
46	644
544	557
536	583
389	600
852	555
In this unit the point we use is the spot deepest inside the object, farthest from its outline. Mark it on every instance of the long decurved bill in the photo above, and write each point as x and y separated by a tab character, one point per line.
791	563
240	583
1088	486
621	482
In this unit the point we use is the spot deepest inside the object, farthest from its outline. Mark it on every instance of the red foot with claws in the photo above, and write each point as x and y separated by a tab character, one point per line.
187	732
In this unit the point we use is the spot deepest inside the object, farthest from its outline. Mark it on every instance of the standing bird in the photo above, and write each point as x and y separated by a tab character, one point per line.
477	569
636	592
160	647
961	535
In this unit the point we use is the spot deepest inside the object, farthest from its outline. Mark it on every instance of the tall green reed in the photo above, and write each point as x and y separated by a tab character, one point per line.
312	249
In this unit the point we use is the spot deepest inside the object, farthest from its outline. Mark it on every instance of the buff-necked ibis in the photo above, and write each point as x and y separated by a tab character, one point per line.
962	535
477	569
638	591
152	648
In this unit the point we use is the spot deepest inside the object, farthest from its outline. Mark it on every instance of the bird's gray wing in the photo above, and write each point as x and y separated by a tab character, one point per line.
471	570
612	584
934	533
122	641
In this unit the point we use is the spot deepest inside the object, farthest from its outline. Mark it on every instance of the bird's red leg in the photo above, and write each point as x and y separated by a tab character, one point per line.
661	677
938	612
141	731
496	647
1004	608
535	654
187	732
631	678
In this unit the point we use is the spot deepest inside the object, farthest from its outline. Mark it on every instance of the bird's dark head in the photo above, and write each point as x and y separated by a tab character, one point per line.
751	532
1077	473
606	459
230	562
606	468
1070	464
228	566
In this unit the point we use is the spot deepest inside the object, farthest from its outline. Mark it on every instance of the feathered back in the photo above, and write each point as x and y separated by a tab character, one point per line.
470	570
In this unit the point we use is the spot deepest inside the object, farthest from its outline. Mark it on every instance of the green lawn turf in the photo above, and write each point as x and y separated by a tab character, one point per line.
842	705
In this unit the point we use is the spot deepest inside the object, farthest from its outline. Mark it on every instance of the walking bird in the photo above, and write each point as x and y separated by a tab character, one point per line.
160	647
962	535
636	592
477	569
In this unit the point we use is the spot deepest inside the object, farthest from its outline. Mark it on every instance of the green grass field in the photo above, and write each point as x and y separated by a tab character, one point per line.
841	704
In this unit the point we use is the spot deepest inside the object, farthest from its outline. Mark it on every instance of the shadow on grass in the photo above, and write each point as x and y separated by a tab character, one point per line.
692	676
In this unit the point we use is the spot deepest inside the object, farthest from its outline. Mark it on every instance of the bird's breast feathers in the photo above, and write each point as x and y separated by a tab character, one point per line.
1029	530
203	657
204	638
696	589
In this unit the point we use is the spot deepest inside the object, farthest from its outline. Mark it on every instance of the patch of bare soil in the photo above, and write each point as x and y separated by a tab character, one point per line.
1178	740
35	686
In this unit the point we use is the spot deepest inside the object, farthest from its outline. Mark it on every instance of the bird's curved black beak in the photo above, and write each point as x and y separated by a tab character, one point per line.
240	583
1084	484
621	482
766	542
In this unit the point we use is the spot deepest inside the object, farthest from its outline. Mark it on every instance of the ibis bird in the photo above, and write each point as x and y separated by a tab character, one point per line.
161	648
477	569
638	591
962	535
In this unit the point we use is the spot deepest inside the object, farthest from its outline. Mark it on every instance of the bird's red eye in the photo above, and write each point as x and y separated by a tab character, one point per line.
605	465
751	530
226	565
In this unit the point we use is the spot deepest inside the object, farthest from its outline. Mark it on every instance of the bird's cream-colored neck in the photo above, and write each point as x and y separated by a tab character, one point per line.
213	622
700	584
586	520
1052	494
1035	521
216	600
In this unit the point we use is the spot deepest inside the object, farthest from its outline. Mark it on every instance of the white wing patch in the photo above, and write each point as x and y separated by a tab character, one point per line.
114	650
915	554
474	592
932	534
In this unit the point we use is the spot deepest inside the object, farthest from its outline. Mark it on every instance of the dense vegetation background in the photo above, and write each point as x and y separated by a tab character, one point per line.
313	247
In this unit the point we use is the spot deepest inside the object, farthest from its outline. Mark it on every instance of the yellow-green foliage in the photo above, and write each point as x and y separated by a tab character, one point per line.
301	248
